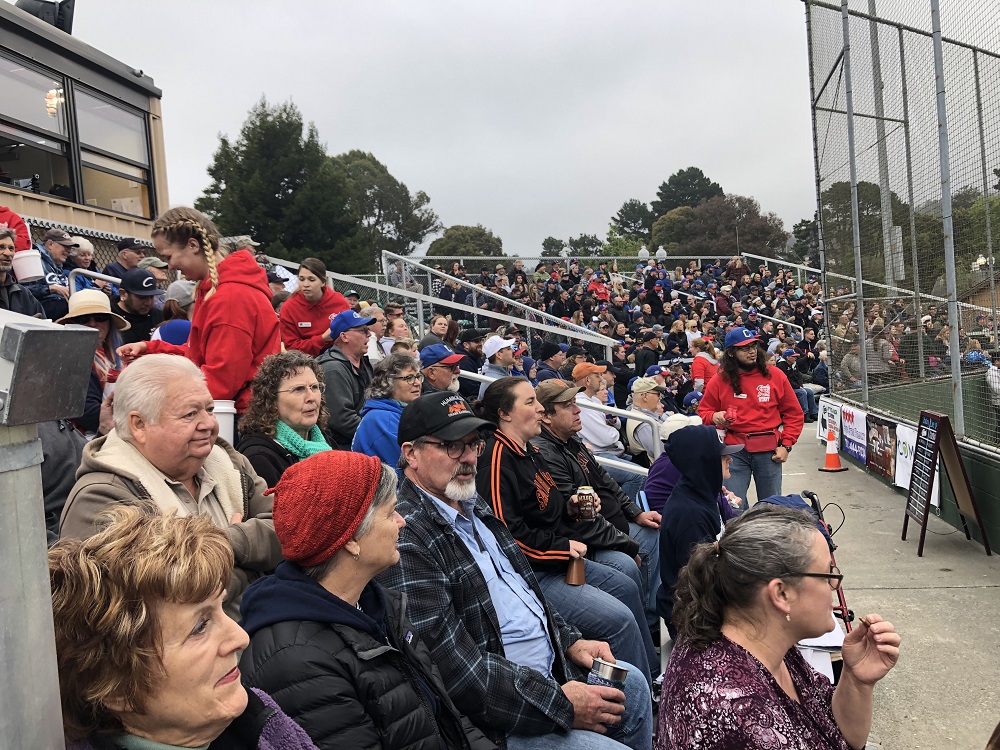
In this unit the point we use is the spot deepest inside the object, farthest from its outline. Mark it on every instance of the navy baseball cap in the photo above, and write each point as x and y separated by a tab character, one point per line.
141	283
692	398
347	320
656	370
740	336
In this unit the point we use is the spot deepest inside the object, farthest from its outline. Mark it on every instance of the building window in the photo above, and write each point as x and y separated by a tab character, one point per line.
34	162
115	185
32	98
111	128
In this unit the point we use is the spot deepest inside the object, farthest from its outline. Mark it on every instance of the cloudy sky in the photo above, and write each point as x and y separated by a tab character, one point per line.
531	118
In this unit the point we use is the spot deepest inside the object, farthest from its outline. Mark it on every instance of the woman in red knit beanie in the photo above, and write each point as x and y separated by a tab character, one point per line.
334	648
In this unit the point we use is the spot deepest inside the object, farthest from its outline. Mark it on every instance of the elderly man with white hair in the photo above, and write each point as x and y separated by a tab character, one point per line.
166	449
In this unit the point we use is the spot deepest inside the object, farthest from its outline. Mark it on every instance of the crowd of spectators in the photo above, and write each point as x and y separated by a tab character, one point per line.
397	539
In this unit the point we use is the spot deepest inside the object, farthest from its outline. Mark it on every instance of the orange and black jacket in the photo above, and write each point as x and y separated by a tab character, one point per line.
519	487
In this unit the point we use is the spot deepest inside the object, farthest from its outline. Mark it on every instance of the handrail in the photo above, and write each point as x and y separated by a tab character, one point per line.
90	274
606	341
625	413
785	323
418	296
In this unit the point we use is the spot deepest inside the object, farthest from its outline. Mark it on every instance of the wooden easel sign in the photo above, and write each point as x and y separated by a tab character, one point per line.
935	438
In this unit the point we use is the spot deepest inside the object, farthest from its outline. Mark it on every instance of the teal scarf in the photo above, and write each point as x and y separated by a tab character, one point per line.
299	446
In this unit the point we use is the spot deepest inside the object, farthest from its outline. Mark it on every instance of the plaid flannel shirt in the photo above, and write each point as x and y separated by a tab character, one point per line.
450	605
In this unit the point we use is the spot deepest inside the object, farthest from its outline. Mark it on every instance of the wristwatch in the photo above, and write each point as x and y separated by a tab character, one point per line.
787	447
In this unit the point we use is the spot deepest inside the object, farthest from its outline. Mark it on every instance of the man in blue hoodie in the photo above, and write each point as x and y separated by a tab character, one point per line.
691	515
52	290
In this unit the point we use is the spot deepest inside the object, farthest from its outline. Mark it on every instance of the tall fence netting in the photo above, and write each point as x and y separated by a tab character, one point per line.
902	300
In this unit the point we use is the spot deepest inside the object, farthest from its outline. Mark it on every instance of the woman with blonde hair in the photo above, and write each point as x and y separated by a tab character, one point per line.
146	655
705	364
233	326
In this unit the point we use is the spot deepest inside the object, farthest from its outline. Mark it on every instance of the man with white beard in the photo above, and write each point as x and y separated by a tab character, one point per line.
511	663
439	365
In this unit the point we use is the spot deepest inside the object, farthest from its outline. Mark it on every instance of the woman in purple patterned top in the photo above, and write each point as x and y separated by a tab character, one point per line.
735	681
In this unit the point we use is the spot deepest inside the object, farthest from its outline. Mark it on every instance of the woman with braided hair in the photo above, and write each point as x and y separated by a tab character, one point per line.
233	326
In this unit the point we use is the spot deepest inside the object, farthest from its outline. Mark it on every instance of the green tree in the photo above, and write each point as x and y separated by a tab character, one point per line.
390	217
621	245
685	187
671	228
634	219
805	249
466	242
838	227
553	247
585	244
275	182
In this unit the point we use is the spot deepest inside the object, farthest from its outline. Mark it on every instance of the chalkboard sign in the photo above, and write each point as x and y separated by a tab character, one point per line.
935	438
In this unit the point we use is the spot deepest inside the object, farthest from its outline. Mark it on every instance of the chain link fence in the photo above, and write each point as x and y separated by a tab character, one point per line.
907	151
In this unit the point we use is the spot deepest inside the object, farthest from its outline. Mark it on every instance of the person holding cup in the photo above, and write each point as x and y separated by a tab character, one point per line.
13	296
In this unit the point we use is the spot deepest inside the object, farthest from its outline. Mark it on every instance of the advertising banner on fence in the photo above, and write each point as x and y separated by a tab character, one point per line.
829	418
906	446
854	426
881	447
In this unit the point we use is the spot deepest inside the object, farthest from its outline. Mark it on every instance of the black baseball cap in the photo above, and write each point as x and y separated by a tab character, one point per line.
141	283
473	334
442	415
131	243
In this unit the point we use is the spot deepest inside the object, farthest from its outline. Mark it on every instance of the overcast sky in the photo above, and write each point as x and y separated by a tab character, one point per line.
531	118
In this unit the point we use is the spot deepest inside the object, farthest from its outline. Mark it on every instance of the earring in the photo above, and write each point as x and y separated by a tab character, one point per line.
357	557
788	616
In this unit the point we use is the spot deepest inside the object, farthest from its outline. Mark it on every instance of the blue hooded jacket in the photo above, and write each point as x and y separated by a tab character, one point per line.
691	515
376	435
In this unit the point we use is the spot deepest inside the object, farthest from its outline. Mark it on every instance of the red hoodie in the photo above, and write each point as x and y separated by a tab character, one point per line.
767	404
10	220
303	323
232	331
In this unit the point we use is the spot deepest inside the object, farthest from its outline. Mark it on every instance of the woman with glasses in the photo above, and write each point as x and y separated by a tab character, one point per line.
286	418
92	308
735	678
397	381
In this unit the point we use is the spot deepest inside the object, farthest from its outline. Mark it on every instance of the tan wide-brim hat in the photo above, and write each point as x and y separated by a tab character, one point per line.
92	302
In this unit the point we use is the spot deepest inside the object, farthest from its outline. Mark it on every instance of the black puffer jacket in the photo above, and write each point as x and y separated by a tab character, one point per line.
353	679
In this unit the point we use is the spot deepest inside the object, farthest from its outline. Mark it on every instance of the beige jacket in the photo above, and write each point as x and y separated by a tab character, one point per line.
113	471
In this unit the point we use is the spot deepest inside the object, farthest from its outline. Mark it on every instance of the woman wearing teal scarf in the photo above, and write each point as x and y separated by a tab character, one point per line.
286	417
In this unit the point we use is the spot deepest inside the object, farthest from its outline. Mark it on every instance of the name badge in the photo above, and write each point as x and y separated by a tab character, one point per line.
305	324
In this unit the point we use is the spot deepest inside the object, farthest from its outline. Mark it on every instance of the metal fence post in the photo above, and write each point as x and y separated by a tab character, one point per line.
909	197
986	195
885	192
855	219
949	230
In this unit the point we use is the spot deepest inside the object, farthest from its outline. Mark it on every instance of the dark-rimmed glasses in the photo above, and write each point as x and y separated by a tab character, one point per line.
834	578
97	318
456	448
410	379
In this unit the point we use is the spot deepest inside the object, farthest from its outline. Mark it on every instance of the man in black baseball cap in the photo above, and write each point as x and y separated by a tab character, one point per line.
52	290
130	252
470	343
442	415
137	294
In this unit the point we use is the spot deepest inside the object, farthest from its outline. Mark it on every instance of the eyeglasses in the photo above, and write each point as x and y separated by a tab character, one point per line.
833	578
301	390
410	379
453	368
456	448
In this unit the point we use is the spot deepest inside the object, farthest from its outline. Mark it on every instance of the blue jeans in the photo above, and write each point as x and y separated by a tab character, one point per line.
608	608
630	483
766	475
807	400
648	580
635	729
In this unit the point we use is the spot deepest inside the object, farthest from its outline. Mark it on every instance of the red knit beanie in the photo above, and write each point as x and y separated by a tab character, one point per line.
320	502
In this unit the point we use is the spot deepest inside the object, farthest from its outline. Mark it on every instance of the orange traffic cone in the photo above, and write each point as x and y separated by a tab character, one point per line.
832	456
